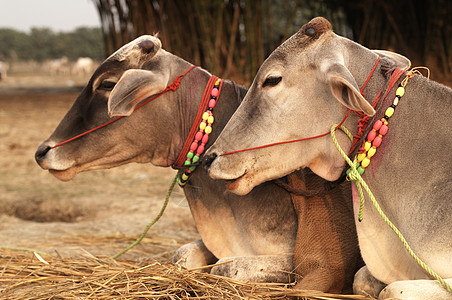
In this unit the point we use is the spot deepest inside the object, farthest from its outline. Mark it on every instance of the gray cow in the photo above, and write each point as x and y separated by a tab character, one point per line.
304	87
257	231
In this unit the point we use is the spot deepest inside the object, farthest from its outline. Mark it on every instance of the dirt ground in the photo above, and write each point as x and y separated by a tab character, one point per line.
102	211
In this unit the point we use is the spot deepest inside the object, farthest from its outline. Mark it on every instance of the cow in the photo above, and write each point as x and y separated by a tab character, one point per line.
305	87
256	231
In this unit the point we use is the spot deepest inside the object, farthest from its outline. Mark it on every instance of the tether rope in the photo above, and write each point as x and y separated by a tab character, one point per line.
162	210
360	183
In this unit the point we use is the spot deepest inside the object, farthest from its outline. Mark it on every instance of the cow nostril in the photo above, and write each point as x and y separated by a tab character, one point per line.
208	159
41	153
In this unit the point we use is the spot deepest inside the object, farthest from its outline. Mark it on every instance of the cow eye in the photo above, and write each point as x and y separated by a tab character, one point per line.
107	85
272	81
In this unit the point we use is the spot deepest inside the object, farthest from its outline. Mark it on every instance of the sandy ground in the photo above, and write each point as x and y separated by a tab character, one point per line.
99	211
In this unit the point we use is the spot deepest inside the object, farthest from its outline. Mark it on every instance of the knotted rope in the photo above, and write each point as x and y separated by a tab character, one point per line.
355	177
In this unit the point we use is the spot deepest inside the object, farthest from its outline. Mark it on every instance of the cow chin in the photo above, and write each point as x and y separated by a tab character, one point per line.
64	175
240	186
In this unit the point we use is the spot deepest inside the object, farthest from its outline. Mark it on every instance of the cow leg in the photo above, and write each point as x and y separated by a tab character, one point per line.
261	268
365	284
194	255
416	290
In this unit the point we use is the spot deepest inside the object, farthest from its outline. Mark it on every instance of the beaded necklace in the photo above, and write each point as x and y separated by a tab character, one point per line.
380	128
205	128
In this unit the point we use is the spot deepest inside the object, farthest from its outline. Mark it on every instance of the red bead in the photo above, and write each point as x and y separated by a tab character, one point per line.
200	150
193	146
205	139
383	129
198	136
215	92
212	103
377	141
371	135
378	124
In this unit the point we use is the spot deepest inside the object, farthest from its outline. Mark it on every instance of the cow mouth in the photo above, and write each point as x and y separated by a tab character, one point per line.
63	175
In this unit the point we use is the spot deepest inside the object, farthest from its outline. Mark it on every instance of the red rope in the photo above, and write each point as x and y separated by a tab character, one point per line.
321	135
171	87
195	125
288	142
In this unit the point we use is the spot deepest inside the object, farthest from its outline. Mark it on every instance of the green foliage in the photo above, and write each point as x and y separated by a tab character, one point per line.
43	43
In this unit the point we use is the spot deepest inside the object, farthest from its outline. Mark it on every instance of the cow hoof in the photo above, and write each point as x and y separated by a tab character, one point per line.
416	290
367	285
262	268
194	255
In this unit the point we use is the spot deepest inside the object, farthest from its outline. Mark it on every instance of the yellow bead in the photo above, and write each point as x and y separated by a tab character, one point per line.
361	156
208	129
202	126
184	177
400	91
371	152
205	115
365	162
367	145
210	120
396	101
389	112
218	81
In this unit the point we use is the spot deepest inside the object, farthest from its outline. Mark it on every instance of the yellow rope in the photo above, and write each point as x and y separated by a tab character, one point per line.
360	183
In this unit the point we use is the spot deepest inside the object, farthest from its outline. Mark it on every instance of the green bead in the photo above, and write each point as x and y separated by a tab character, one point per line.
195	158
192	168
360	170
190	155
187	162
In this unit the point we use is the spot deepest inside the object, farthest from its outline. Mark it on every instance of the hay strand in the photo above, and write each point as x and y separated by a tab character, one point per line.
87	276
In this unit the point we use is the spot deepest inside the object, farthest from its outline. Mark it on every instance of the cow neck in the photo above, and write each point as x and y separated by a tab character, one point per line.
200	130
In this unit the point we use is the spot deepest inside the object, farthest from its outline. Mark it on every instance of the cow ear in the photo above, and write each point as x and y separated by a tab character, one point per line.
133	87
345	89
399	60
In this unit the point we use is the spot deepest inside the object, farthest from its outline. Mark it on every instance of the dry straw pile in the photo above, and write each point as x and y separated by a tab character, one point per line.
26	275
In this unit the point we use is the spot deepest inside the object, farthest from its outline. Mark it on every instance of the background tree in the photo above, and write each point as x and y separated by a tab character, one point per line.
233	37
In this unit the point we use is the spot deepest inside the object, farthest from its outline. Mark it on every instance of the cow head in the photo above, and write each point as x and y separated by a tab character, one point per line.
135	72
304	87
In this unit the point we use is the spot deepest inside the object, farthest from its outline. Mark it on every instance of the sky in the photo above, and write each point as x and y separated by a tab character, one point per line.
59	15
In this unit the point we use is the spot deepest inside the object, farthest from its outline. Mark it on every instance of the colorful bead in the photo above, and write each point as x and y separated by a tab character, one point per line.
202	126
208	129
389	112
184	177
210	120
372	134
367	146
383	129
212	103
400	91
195	159
214	92
396	101
377	141
378	124
365	162
371	151
361	156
